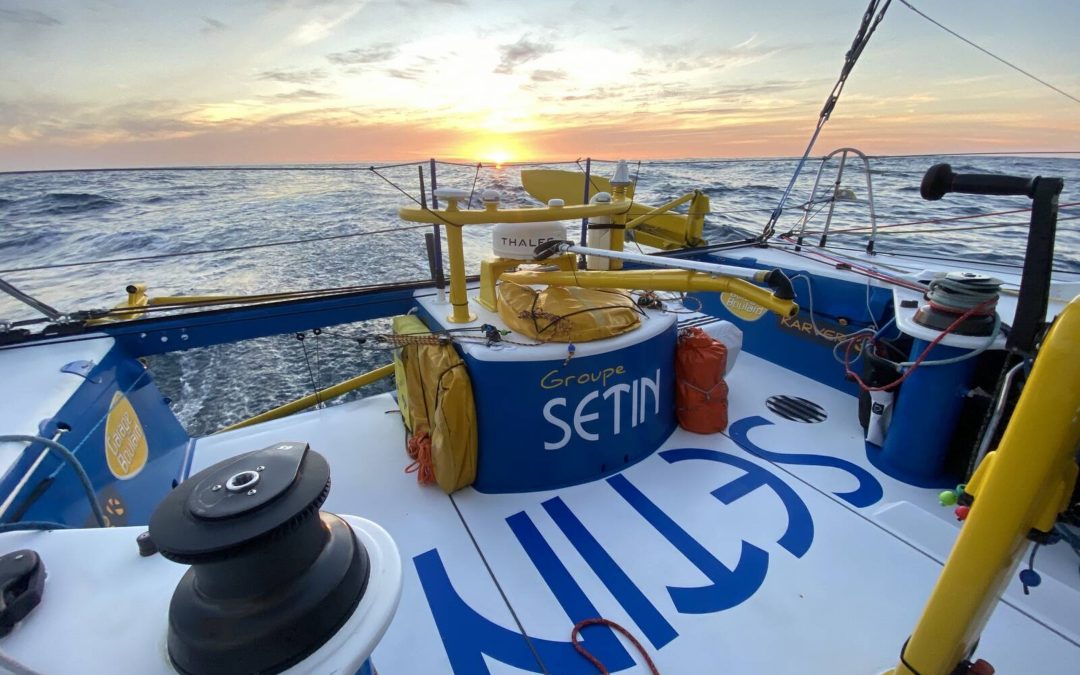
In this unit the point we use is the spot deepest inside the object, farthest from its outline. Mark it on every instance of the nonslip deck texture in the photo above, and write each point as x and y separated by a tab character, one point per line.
776	547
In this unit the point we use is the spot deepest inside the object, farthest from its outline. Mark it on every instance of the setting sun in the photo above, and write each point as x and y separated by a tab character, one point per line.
496	150
498	155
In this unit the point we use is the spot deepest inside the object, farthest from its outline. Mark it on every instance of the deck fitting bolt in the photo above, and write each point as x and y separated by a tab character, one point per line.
251	491
216	487
260	468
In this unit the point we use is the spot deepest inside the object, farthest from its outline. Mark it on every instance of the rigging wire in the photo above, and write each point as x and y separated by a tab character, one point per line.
990	53
311	373
479	165
938	221
225	249
786	243
870	21
988	226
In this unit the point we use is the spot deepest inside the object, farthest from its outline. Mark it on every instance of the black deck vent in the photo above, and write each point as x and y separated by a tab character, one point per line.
796	409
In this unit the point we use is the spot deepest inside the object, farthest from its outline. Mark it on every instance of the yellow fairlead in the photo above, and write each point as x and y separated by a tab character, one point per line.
1022	486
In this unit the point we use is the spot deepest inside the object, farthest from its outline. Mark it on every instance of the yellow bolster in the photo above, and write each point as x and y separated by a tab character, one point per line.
659	280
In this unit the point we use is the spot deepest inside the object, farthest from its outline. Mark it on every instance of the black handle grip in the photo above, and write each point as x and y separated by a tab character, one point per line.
940	180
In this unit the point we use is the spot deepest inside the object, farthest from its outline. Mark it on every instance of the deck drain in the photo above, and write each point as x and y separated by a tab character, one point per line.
796	409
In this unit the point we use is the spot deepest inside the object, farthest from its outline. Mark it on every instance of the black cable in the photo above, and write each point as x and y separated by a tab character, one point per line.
592	178
73	461
475	176
417	201
311	374
990	53
903	660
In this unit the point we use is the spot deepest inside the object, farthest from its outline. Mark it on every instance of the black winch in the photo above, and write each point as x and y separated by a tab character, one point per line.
272	578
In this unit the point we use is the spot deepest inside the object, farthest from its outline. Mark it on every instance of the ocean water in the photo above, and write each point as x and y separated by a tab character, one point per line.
58	218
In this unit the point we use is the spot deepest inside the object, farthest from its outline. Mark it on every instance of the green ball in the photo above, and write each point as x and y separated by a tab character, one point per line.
947	498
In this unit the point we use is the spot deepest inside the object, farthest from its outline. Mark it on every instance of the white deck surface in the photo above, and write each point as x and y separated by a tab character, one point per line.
845	606
42	389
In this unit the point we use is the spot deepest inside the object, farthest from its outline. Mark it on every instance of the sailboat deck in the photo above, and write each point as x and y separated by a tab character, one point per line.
775	547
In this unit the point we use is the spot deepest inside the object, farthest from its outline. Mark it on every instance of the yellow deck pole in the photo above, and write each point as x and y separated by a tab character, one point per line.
312	399
1024	485
459	299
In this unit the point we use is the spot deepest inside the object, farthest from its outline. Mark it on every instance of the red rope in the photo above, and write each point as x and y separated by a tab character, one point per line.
854	267
598	621
977	309
934	221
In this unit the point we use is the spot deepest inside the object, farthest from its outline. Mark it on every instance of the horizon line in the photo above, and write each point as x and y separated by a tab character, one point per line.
359	165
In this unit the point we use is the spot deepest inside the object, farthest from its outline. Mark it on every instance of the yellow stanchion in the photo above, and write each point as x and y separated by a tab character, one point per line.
1022	486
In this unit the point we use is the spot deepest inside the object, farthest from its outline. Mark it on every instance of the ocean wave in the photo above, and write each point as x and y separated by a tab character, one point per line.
756	186
28	241
57	203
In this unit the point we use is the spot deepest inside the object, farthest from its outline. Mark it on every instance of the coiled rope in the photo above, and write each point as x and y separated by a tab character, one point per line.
957	294
419	449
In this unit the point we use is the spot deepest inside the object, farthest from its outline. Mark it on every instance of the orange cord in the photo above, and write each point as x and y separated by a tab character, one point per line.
611	624
419	447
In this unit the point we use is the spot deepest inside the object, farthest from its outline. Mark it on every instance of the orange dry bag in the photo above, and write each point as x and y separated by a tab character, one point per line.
700	390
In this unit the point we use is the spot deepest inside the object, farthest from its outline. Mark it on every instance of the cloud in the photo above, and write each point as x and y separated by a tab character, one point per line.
211	26
405	73
548	75
523	51
319	27
688	56
373	54
52	120
28	17
410	4
292	76
302	95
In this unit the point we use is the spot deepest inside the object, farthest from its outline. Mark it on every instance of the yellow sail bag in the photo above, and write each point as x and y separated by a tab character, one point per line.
436	401
567	313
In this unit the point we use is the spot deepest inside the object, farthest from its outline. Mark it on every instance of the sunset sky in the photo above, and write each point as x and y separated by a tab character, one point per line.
104	83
